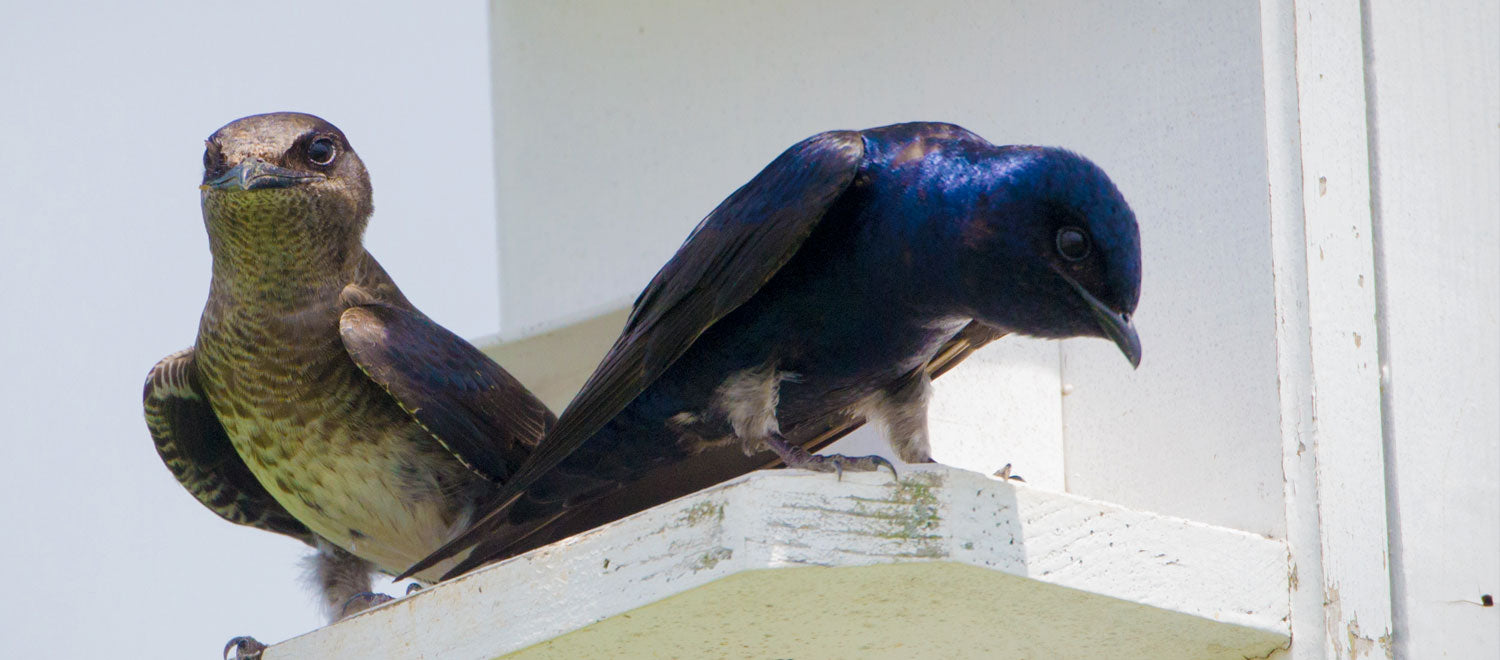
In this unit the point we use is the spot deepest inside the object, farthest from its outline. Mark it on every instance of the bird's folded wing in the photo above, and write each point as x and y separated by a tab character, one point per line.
730	255
197	451
476	409
693	473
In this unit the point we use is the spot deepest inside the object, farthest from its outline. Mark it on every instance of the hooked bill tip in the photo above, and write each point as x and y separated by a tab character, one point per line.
1116	325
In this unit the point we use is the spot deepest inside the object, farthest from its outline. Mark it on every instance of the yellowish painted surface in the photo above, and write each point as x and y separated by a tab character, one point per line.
794	564
913	610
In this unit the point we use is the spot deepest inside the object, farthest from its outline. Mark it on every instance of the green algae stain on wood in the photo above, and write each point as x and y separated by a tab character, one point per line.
910	515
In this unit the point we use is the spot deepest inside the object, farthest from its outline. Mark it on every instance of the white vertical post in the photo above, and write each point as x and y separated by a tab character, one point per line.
1293	346
1333	397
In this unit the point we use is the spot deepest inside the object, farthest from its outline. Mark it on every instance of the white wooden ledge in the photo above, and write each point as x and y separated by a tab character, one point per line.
782	564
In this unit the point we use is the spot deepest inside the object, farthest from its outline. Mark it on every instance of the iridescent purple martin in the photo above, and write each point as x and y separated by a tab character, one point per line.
827	291
317	401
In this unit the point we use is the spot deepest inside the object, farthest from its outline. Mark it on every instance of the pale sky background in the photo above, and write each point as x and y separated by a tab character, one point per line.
104	268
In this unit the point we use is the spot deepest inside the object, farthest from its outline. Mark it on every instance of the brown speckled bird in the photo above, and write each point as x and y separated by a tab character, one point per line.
317	402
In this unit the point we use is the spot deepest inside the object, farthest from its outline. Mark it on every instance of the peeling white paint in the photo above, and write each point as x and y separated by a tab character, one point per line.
1173	587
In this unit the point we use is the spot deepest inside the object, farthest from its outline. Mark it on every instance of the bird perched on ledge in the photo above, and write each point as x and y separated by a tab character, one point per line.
827	290
317	402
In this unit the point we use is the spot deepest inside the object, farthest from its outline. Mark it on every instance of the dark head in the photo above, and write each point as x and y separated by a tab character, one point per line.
1053	249
284	188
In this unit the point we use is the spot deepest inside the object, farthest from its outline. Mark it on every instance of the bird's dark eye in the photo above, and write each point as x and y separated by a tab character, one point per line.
321	151
1072	243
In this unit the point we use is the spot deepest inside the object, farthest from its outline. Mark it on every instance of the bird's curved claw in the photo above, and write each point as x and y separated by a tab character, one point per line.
877	463
245	648
1004	474
363	601
838	463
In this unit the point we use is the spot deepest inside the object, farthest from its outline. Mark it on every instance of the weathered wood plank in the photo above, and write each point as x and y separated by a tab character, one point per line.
1120	574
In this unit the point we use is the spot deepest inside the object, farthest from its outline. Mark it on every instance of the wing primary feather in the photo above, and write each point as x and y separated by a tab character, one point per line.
734	251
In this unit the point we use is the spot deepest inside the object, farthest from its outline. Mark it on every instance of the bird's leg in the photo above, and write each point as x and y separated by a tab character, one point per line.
902	410
748	399
796	457
245	648
343	580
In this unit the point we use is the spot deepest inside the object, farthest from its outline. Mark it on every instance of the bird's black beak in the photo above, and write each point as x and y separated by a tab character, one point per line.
1115	324
256	174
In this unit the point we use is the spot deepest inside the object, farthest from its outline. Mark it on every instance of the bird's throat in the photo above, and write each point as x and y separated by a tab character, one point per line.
273	246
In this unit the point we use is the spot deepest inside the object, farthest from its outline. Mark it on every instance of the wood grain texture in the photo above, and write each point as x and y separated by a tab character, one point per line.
1434	101
1130	570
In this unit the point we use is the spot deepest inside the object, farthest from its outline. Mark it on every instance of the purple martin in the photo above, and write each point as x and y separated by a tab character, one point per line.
317	402
827	291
